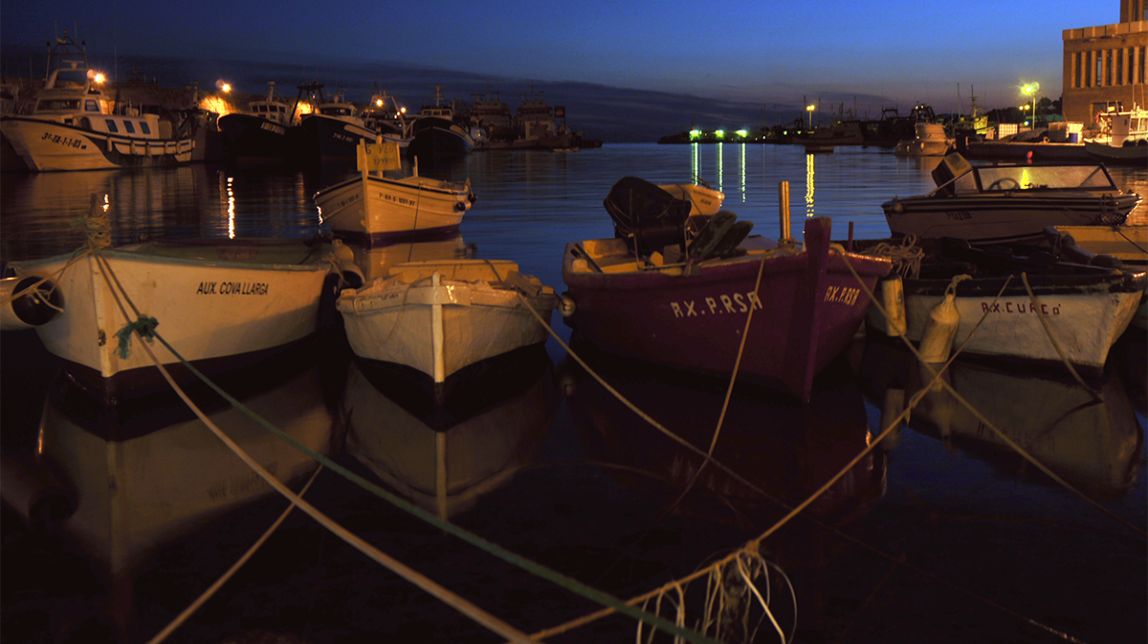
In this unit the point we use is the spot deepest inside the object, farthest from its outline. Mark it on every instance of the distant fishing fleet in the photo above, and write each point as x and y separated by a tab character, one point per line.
79	121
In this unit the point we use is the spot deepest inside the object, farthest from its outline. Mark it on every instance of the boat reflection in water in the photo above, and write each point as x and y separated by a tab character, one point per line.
770	440
142	479
376	261
444	456
1093	444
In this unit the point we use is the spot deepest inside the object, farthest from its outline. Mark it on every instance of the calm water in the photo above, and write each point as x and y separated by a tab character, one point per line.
941	538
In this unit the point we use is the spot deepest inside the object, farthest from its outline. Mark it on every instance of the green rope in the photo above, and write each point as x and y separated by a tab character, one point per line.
532	567
146	327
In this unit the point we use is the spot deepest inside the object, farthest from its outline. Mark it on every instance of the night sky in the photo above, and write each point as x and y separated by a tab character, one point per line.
780	52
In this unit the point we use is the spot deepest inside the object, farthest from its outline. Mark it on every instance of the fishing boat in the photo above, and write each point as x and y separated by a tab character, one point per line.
434	133
74	125
1009	203
380	206
332	131
929	140
704	200
1000	305
1127	245
1122	138
222	304
387	119
260	133
660	293
439	316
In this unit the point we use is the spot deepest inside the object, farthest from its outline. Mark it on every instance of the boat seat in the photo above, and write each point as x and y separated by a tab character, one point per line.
649	217
720	237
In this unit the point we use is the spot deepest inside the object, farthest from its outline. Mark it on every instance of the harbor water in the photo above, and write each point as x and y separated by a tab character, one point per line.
941	534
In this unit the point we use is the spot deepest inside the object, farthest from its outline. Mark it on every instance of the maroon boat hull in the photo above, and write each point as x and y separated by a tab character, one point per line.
807	309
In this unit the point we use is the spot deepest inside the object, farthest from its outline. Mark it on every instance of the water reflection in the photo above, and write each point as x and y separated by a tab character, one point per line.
782	448
445	456
377	260
1094	444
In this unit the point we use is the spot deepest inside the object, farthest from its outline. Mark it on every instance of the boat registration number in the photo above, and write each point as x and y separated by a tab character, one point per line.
958	215
65	141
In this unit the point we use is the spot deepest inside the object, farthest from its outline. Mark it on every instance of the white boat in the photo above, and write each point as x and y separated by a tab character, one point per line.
75	126
1121	137
930	141
1008	203
378	207
1090	244
703	199
220	303
1075	314
440	316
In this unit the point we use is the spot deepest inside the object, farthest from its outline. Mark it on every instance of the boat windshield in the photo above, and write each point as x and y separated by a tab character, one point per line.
1060	177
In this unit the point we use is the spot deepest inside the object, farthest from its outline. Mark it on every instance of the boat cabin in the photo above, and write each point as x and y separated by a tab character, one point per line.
956	177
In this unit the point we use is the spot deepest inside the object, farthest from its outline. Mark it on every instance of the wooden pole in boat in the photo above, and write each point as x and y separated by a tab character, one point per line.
783	208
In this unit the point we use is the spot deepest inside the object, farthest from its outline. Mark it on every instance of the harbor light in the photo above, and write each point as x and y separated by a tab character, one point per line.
810	108
719	134
743	133
1031	89
223	86
97	77
695	135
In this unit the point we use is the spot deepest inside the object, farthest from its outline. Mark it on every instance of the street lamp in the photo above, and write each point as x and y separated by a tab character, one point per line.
809	108
1030	90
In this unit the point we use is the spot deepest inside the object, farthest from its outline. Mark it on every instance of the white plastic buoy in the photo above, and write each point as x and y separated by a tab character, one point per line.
941	327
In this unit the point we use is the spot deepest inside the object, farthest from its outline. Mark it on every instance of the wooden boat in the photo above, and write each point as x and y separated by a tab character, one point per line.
1009	203
75	126
440	316
1127	245
1085	308
260	133
380	206
647	295
703	199
222	304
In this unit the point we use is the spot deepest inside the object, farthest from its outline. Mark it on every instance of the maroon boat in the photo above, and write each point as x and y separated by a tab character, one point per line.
662	293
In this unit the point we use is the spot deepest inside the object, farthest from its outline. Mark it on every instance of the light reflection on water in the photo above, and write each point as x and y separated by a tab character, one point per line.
928	499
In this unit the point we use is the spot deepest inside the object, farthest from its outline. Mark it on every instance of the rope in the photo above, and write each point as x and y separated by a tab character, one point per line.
441	593
211	590
423	582
1055	344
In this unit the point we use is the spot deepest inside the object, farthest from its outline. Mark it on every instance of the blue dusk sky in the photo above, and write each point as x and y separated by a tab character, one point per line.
868	54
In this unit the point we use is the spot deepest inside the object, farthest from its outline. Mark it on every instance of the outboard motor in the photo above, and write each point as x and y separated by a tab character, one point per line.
26	305
649	216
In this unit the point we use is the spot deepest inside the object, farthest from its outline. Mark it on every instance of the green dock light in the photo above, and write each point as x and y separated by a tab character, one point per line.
695	135
743	133
719	134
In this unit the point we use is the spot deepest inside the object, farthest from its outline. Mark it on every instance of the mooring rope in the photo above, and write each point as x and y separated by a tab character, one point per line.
433	588
440	592
1056	345
214	588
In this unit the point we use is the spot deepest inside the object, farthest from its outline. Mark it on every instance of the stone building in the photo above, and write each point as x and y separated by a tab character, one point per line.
1105	66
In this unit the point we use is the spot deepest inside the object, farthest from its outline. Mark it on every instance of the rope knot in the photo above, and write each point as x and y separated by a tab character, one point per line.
146	328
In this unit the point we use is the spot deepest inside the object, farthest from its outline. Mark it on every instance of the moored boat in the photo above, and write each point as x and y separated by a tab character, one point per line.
222	304
1122	137
646	294
1127	245
1008	203
380	206
1074	313
434	133
76	126
332	131
440	316
930	140
260	133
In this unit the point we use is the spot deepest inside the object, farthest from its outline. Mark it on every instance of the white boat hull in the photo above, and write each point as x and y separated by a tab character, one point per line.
705	201
439	317
1083	325
48	146
371	210
215	310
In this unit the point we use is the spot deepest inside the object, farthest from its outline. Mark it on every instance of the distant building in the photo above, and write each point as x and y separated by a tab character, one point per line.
1105	66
